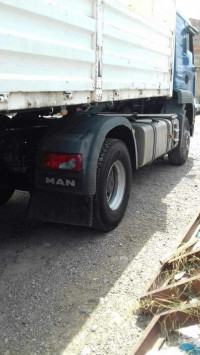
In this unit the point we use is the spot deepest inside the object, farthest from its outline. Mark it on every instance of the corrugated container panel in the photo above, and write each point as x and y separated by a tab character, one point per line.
137	55
57	52
46	45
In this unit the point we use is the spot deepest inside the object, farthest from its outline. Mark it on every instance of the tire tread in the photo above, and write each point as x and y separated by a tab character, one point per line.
97	223
176	155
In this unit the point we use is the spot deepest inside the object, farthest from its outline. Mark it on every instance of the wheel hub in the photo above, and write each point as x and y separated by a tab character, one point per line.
115	186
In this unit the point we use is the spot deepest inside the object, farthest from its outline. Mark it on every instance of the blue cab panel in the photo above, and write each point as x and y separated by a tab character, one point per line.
184	58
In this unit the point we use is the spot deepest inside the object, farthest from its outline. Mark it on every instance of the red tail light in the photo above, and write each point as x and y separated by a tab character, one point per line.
72	162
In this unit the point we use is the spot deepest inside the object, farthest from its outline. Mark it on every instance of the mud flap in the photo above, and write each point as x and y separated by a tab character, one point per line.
51	206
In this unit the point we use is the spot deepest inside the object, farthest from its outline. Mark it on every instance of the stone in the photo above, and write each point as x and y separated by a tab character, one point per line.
94	328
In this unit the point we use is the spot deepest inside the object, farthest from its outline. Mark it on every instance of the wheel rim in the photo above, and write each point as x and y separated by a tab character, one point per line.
115	185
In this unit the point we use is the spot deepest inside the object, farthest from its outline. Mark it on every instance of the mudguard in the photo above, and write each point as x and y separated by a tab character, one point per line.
185	97
181	103
79	135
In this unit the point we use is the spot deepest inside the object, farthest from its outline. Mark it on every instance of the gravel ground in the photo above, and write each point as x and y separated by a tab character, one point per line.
73	291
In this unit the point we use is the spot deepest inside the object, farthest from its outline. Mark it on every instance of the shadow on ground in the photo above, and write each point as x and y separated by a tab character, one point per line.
52	276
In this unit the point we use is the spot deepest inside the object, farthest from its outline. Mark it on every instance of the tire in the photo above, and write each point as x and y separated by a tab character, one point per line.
5	195
179	155
113	184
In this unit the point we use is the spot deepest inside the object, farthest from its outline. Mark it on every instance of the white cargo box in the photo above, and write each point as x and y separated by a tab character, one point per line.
58	52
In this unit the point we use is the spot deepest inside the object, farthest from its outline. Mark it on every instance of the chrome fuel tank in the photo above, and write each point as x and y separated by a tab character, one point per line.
155	138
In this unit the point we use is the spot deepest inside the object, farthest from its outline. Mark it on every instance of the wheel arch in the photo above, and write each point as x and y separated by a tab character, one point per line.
124	134
186	98
109	127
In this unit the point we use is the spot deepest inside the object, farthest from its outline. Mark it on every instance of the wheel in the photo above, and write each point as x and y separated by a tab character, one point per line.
5	195
179	155
113	183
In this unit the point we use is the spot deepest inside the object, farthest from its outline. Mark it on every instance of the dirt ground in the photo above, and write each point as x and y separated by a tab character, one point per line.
73	291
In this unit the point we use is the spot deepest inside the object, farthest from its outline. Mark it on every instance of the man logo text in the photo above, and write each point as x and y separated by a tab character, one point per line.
62	182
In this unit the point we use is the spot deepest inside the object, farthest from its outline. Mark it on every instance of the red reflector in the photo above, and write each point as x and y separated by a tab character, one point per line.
71	162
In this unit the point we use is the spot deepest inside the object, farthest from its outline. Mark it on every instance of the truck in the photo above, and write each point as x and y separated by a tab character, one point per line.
90	91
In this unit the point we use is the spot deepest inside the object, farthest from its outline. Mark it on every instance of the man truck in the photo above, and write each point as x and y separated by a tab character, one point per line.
90	91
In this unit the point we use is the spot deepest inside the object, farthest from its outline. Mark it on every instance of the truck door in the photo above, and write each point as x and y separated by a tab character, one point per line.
188	62
184	56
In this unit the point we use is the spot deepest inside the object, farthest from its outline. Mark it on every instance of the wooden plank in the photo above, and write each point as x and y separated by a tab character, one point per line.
158	293
186	235
188	256
148	338
161	325
171	295
167	269
155	282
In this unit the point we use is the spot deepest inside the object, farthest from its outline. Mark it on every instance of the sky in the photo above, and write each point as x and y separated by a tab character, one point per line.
189	8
